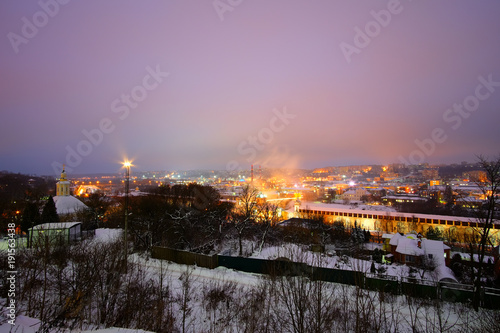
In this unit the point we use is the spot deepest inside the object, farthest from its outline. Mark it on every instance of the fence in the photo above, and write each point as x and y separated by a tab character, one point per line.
385	283
185	257
419	288
445	291
491	298
455	292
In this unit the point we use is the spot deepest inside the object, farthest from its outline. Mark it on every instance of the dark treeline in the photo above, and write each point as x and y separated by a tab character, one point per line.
20	193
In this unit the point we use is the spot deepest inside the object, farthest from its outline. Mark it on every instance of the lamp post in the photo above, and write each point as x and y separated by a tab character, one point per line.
126	165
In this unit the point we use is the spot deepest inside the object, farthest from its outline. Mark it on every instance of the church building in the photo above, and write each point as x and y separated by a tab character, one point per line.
65	202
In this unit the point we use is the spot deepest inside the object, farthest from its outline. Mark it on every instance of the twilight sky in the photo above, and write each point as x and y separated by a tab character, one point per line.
223	84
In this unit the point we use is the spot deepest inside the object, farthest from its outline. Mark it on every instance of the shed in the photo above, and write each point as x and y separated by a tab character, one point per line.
54	233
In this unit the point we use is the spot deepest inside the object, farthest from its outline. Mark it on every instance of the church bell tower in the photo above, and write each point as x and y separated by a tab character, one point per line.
62	186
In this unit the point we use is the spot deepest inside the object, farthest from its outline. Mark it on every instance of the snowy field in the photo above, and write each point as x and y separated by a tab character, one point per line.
224	300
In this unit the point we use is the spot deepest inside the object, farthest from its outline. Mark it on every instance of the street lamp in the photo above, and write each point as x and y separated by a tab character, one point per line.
126	165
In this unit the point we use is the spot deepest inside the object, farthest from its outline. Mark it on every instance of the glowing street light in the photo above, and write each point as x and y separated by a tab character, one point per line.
126	165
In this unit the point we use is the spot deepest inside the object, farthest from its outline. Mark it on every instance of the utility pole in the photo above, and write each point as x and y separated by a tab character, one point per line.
127	165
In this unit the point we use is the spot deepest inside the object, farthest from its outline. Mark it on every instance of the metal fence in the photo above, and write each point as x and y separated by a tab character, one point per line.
185	257
445	291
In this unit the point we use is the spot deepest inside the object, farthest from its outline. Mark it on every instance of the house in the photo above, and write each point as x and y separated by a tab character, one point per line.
411	249
54	233
303	230
386	239
354	194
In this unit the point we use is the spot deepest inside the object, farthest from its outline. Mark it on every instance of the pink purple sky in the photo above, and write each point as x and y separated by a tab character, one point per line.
342	99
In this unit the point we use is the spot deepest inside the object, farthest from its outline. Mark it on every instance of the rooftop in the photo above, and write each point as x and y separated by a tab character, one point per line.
55	225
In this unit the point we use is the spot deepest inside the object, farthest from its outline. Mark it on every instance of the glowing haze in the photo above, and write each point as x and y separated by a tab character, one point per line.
224	84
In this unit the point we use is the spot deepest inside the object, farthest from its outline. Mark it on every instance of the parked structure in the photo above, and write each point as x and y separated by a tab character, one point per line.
54	233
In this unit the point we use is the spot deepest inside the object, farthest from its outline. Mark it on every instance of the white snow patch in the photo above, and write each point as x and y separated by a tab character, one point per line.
106	235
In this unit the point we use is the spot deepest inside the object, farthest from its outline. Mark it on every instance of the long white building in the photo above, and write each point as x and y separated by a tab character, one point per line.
390	221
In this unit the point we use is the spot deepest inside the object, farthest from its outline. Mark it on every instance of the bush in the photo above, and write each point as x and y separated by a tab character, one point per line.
457	266
377	256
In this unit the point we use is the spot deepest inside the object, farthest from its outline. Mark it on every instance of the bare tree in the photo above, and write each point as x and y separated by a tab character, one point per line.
245	213
220	302
256	312
268	217
302	304
427	264
486	216
185	298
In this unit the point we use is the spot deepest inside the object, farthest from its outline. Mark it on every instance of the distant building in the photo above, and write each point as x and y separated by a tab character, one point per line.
399	199
387	176
469	202
65	202
389	222
430	173
354	195
434	183
476	176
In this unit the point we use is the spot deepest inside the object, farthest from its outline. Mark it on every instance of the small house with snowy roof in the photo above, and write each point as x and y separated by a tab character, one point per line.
411	249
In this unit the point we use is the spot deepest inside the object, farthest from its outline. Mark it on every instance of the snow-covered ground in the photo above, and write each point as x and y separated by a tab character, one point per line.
198	273
299	253
107	235
31	325
202	279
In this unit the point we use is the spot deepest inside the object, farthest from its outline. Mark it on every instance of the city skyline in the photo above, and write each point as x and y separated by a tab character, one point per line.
225	84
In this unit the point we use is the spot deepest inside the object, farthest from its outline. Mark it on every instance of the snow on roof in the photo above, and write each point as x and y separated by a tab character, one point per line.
395	239
362	209
55	225
404	197
444	273
67	204
469	199
409	246
436	248
432	245
379	210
